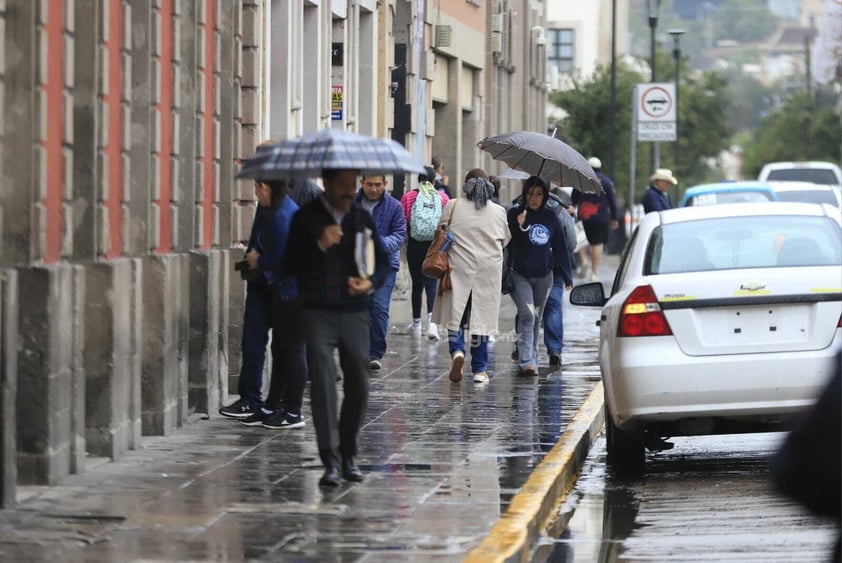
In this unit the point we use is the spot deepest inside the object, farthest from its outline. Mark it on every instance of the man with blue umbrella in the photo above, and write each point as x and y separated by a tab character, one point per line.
331	240
340	260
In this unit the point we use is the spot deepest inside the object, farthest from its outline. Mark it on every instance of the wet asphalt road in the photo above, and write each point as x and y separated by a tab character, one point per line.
708	499
443	462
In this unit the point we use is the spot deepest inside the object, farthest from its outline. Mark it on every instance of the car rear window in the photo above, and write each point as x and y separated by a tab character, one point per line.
744	242
808	196
728	197
814	175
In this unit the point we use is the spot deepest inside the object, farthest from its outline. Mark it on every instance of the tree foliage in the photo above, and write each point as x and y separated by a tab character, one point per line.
743	20
802	129
703	127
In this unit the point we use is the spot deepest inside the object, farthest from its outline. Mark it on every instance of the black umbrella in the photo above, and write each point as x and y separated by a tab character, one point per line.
546	157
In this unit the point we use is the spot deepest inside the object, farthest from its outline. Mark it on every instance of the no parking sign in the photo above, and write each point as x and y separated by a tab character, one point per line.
655	109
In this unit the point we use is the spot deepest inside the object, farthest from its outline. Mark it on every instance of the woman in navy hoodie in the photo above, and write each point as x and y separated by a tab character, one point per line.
537	247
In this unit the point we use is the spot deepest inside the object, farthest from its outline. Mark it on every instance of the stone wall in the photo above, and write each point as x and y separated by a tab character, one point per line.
122	127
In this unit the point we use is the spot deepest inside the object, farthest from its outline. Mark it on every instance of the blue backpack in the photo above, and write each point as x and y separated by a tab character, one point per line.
425	213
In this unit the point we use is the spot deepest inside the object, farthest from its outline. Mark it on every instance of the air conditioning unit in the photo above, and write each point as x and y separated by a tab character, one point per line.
496	42
443	35
497	23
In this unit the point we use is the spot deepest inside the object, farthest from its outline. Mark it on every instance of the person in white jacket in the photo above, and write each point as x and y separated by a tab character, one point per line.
480	233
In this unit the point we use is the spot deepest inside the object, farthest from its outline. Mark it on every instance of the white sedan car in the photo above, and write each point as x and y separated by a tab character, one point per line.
721	319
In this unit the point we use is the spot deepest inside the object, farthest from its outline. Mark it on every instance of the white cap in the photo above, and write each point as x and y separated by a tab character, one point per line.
595	162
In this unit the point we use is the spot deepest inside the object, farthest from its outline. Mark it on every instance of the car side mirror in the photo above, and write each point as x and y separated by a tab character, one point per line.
588	295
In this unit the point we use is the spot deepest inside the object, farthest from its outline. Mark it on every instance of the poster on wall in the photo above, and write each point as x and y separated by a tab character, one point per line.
337	99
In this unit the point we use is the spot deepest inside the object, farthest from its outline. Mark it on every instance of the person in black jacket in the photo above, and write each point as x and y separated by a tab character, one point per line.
330	248
598	214
808	465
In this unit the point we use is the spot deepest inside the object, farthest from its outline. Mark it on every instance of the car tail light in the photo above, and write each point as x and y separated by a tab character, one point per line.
641	315
839	324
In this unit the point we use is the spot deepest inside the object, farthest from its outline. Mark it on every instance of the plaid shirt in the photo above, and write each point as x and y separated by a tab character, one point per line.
323	274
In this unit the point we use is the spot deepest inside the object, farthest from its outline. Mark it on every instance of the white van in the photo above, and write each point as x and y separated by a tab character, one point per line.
813	171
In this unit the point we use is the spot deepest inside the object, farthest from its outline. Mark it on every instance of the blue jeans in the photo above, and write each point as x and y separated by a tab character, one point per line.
554	318
479	348
381	299
257	322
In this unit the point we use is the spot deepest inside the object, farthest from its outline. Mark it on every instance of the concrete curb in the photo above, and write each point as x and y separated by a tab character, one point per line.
514	535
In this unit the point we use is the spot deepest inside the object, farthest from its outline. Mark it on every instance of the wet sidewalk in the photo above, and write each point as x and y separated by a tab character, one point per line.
442	463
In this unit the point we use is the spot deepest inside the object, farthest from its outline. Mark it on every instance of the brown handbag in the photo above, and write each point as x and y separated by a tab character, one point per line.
436	263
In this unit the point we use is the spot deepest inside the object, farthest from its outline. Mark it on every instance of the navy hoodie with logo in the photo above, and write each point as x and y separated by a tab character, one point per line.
538	246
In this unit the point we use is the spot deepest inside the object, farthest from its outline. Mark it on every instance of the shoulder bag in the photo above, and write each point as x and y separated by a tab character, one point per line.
436	263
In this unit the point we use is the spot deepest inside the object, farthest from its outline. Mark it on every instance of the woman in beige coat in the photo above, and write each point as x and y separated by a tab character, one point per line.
480	232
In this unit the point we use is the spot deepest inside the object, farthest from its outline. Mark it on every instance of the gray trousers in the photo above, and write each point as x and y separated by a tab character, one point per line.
325	332
530	295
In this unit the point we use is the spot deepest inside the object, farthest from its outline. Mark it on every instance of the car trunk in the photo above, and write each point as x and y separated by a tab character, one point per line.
753	310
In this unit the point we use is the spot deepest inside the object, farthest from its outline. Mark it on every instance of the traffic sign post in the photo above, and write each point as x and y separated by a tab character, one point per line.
655	107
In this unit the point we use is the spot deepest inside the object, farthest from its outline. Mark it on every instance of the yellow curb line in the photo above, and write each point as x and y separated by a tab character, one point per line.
512	537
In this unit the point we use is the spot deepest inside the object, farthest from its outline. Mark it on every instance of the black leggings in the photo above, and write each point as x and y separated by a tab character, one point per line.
416	250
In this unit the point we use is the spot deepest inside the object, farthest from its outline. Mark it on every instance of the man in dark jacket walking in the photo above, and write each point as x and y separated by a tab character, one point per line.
332	244
389	219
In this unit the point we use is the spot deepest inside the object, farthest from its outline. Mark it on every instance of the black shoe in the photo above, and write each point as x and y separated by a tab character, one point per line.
657	444
330	478
238	409
555	360
350	471
281	419
515	354
258	418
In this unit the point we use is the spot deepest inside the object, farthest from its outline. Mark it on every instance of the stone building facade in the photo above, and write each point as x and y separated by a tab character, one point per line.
123	122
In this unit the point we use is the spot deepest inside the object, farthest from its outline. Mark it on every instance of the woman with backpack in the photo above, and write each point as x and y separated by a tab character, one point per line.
422	207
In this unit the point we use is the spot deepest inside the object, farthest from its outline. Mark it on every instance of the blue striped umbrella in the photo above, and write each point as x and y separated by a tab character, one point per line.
328	149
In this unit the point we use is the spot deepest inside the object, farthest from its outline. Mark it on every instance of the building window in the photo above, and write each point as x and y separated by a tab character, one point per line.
561	49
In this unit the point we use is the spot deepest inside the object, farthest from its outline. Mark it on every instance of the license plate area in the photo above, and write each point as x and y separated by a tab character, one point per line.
756	325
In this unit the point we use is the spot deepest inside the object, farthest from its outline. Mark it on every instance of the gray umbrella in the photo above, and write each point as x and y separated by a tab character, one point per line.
543	156
308	155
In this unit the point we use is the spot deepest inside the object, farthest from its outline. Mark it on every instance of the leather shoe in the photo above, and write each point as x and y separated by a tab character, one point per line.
330	477
350	471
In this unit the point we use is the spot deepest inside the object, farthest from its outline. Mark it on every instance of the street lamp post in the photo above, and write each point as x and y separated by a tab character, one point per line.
676	54
652	9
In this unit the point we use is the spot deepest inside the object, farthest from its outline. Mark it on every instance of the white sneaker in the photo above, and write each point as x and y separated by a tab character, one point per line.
481	377
415	328
594	277
433	331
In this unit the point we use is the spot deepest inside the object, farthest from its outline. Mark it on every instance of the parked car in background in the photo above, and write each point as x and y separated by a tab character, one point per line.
817	172
806	192
728	192
721	319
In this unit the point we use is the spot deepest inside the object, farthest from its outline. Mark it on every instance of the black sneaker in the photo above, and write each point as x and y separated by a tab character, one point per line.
257	418
239	409
280	419
555	360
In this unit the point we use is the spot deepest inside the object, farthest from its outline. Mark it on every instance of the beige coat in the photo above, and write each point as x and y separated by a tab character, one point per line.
476	259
